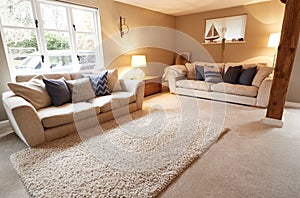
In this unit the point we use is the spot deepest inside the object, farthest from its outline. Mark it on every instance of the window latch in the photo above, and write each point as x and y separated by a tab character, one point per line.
36	23
74	27
78	57
43	58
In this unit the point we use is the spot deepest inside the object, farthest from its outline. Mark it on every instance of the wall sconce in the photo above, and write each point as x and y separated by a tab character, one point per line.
124	29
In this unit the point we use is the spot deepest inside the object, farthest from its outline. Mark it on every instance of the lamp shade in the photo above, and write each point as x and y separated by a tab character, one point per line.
138	61
274	39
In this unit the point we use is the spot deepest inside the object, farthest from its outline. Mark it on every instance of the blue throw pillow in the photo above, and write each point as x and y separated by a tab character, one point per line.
199	72
58	91
99	83
247	76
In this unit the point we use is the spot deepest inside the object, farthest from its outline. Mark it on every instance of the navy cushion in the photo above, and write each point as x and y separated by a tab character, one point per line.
232	74
199	72
247	76
99	83
58	91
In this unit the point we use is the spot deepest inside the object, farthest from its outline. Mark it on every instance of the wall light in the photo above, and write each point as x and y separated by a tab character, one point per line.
124	29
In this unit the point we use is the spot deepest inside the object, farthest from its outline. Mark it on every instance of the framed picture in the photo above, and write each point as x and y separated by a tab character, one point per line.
231	28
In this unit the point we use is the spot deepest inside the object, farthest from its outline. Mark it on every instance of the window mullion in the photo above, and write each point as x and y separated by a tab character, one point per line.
99	47
41	35
73	42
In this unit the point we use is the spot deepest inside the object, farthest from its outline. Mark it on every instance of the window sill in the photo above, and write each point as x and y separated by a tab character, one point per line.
227	42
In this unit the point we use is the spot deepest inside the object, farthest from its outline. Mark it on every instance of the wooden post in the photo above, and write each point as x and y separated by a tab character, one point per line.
285	59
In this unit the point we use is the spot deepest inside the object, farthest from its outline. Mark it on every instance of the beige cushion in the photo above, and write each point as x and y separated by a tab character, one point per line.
113	81
235	89
191	72
194	84
67	113
261	74
181	60
81	89
25	78
33	91
113	101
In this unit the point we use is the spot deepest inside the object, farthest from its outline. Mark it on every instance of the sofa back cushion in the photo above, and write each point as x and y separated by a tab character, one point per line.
25	78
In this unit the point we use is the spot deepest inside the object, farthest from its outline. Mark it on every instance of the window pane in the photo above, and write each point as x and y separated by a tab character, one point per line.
31	62
21	43
61	63
83	20
85	41
16	13
54	17
57	40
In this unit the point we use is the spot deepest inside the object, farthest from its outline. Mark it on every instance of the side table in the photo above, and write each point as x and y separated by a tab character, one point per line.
152	84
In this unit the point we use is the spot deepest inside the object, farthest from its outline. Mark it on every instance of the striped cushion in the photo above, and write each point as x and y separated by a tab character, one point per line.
99	84
212	74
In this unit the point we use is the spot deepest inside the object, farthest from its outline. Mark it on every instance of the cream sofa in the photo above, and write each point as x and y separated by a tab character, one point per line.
37	126
181	80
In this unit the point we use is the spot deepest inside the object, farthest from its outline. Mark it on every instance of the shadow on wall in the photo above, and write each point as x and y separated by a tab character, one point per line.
5	77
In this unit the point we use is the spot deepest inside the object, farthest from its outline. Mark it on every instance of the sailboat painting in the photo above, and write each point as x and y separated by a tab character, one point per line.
212	33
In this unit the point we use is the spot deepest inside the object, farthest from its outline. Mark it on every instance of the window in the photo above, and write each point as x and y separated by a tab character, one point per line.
232	29
47	36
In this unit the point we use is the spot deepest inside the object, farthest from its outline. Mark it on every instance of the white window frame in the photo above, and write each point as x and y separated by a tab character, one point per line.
41	41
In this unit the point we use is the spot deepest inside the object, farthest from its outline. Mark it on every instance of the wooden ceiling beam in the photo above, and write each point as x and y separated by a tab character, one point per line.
285	59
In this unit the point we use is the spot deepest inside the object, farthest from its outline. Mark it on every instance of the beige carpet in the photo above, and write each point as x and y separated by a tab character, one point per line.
134	156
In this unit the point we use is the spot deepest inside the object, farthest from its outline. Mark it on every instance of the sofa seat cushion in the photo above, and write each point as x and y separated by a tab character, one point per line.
235	89
194	84
113	101
68	113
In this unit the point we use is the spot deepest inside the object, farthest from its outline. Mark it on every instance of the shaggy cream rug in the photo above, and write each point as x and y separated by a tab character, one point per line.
134	156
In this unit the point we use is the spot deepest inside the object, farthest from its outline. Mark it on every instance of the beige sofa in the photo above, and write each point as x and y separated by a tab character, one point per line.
181	80
37	126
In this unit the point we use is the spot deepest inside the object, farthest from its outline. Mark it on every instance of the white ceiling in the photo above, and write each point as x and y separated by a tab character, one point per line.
182	7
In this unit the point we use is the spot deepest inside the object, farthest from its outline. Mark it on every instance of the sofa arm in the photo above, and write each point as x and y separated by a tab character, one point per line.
135	86
172	78
264	90
24	119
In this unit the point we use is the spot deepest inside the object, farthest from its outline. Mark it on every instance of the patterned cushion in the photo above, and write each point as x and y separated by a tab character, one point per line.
99	84
212	74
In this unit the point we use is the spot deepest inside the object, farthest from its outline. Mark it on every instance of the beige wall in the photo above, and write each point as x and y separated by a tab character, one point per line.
293	94
4	78
110	12
262	19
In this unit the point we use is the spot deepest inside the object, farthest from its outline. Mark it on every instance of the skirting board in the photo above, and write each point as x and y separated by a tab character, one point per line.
292	105
4	124
273	122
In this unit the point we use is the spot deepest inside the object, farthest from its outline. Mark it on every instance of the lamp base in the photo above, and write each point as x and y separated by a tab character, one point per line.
138	73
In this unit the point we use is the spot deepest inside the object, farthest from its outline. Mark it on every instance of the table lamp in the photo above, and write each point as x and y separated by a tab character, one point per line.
274	39
138	61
